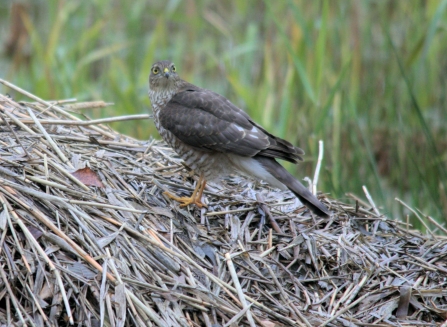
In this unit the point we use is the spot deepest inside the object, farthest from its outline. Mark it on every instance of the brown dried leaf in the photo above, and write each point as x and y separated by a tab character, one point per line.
88	177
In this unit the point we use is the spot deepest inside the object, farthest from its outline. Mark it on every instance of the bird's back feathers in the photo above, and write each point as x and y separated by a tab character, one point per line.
208	121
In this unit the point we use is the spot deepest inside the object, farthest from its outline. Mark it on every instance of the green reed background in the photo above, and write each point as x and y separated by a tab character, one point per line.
367	77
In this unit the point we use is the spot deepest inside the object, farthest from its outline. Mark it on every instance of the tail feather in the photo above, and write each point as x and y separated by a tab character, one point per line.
282	175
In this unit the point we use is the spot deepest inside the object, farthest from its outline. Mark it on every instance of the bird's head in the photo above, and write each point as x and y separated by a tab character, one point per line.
163	75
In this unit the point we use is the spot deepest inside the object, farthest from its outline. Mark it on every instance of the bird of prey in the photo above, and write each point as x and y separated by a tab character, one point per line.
215	138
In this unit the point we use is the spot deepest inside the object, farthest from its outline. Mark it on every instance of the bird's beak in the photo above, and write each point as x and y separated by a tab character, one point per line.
166	72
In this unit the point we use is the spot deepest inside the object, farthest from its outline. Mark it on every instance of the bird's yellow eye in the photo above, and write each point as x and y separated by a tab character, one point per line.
173	68
155	70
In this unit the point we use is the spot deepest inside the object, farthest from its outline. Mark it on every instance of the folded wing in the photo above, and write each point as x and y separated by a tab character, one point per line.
208	121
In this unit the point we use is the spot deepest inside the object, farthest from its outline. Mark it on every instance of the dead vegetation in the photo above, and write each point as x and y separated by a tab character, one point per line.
88	238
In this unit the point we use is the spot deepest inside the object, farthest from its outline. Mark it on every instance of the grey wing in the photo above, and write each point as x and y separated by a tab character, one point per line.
208	121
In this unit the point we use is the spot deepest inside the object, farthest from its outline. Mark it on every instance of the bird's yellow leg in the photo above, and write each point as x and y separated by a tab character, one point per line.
200	192
196	196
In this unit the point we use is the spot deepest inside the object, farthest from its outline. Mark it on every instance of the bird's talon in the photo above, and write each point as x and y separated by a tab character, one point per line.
185	201
189	201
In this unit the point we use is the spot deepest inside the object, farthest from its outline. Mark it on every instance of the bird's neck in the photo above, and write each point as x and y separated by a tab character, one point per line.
159	98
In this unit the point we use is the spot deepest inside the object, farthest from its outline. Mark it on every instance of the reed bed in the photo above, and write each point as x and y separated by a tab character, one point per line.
89	239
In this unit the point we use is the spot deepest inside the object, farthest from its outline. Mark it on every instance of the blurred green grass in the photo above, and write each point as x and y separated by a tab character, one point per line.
367	77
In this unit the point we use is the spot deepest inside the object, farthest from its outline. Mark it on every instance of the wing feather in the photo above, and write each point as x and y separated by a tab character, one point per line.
208	121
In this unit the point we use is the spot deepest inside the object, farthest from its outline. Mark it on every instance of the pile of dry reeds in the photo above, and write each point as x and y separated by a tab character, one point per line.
88	238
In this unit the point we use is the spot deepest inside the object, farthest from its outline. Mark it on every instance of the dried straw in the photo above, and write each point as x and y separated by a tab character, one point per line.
88	238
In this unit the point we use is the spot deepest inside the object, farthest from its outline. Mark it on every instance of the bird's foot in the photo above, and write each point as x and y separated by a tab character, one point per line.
185	200
195	198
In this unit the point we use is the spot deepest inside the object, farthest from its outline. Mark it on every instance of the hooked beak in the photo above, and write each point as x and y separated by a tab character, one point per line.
166	72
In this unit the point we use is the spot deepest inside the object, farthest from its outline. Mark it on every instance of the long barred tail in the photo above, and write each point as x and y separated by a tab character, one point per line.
282	175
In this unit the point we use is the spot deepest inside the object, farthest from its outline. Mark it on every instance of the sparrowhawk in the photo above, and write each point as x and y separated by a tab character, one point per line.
215	138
